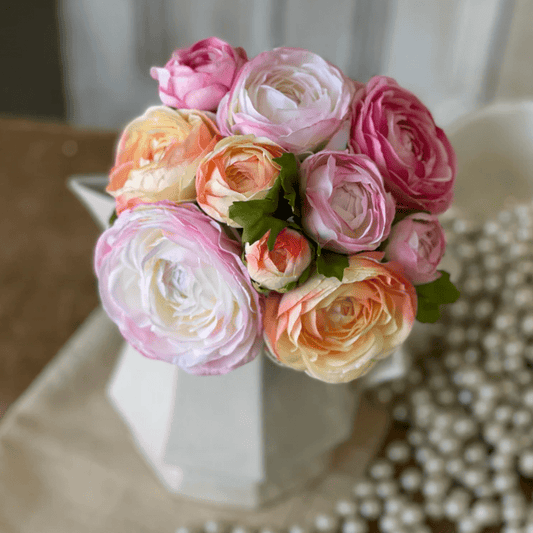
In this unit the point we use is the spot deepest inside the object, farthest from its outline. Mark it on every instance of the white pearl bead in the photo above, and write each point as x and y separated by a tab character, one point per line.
420	396
453	359
522	418
456	334
411	479
507	445
354	525
211	526
415	437
525	463
389	524
455	467
468	524
475	453
485	490
474	476
370	508
465	427
381	469
325	523
364	489
434	509
412	514
465	397
387	488
504	481
512	529
296	528
449	446
400	412
435	465
456	503
483	409
499	461
240	529
489	391
493	432
424	453
395	504
527	324
493	282
435	487
443	420
346	508
486	512
398	452
446	397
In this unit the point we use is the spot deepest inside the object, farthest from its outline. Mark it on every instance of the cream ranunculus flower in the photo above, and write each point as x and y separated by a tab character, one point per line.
285	263
240	168
158	154
336	331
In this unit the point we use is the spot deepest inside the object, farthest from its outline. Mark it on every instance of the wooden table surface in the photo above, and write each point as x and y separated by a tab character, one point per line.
47	284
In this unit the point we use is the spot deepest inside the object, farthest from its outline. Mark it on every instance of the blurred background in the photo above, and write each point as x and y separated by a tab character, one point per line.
75	71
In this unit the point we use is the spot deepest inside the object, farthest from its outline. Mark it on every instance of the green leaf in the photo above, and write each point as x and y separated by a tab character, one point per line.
331	264
289	180
113	217
427	312
432	295
273	212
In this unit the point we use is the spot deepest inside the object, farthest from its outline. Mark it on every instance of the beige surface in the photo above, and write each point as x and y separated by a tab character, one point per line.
67	463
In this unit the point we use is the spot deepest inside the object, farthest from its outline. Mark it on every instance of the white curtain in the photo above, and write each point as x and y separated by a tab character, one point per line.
448	53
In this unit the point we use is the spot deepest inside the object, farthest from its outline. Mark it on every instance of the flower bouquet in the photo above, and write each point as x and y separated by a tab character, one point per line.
275	203
270	206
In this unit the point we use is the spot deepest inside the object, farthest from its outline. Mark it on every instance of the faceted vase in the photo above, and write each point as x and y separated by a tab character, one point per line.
242	439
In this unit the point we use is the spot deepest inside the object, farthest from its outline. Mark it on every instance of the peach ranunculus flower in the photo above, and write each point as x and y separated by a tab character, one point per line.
336	331
240	168
158	154
285	263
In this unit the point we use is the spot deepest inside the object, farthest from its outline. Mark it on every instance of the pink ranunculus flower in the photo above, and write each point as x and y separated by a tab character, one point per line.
345	207
289	95
240	168
335	330
397	131
418	243
285	263
158	154
175	285
198	77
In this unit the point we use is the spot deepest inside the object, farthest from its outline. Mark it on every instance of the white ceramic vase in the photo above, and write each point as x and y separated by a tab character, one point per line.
242	439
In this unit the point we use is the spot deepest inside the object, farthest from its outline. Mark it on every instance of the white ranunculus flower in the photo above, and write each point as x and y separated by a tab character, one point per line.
175	285
289	95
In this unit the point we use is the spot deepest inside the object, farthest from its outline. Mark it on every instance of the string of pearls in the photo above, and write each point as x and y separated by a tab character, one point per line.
464	415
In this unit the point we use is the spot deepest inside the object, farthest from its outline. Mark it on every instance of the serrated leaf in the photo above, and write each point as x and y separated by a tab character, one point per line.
440	291
289	180
113	217
273	212
331	264
427	312
432	295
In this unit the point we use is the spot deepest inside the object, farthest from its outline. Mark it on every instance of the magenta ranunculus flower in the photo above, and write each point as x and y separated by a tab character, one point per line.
345	206
198	77
397	131
291	96
175	285
418	243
